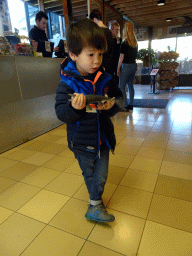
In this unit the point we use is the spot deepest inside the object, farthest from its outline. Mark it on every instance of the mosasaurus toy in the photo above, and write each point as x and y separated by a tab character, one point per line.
93	98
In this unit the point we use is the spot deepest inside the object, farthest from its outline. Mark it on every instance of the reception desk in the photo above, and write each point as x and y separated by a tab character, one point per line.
27	98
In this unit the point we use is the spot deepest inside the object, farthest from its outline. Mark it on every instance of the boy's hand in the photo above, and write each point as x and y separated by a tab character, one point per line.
79	101
107	105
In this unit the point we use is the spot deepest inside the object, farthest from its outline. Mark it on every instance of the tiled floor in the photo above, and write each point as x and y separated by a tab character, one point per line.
43	198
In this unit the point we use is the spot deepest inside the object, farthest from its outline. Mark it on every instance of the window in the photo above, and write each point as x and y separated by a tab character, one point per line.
32	10
17	14
143	44
184	47
55	25
164	44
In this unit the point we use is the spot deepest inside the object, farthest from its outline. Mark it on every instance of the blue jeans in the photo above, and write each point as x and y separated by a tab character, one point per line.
95	172
127	77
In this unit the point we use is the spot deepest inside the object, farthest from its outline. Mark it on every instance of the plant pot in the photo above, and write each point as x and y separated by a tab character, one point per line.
146	62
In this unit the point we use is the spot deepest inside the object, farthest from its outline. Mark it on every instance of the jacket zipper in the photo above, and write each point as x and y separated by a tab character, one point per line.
98	151
73	132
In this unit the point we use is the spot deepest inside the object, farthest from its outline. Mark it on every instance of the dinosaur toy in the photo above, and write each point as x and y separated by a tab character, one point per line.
93	98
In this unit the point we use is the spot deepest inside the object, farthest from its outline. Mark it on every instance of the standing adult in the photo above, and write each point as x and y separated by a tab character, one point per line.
127	66
115	29
96	16
38	35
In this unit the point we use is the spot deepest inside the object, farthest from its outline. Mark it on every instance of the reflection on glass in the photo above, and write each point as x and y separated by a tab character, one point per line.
55	25
32	10
17	14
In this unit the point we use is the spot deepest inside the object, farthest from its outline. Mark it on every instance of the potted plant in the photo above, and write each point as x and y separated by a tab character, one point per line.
147	56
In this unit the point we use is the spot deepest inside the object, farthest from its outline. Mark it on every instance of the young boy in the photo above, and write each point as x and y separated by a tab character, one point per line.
90	134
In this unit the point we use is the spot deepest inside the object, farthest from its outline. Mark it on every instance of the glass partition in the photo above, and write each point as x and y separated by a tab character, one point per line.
18	19
164	44
32	10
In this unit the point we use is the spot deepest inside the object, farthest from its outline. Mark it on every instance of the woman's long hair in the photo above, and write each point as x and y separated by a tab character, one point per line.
129	34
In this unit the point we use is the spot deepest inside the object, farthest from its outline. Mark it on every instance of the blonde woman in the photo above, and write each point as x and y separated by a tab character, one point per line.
127	66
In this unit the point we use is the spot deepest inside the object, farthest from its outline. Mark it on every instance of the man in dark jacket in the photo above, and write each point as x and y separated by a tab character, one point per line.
90	133
39	37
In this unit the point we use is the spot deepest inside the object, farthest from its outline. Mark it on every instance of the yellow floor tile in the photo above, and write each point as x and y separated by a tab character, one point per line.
146	164
4	214
74	169
6	163
137	134
133	141
180	138
120	132
158	136
181	131
159	240
174	187
126	149
9	152
161	128
155	143
59	163
54	242
50	138
20	154
115	174
83	194
120	160
124	126
71	218
66	184
38	158
119	138
177	157
151	153
180	147
5	183
145	123
35	145
13	241
67	152
183	171
19	171
17	195
44	206
171	212
62	140
140	180
59	132
54	149
40	177
141	128
132	201
95	250
123	235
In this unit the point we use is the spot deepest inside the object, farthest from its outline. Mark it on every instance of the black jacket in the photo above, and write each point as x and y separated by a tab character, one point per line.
85	129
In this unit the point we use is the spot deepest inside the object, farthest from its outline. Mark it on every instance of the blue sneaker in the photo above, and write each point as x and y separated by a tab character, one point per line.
99	213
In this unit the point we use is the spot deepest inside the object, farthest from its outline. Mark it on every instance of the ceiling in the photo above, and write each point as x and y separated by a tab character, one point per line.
143	13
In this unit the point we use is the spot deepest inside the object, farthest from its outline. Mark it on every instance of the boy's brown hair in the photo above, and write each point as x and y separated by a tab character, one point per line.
85	33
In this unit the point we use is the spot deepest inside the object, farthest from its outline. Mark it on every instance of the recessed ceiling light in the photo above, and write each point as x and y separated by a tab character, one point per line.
161	2
168	19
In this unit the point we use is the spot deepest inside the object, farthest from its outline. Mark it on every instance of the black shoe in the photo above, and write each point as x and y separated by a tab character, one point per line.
130	108
127	109
124	110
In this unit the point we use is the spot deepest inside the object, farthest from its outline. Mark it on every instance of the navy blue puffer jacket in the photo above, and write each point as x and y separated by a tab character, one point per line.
85	130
